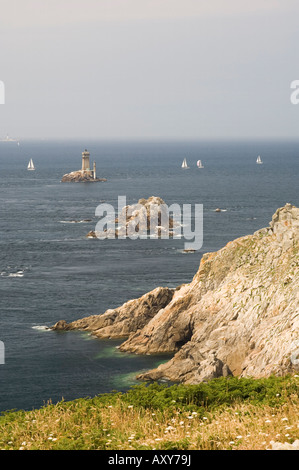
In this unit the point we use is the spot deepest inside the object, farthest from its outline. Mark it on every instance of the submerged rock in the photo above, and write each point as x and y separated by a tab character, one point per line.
91	234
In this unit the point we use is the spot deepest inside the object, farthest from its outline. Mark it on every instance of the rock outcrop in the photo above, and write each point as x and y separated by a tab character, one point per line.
285	445
91	234
125	320
239	315
148	216
80	177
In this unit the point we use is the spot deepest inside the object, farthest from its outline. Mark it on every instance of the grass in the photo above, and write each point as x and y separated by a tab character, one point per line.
226	413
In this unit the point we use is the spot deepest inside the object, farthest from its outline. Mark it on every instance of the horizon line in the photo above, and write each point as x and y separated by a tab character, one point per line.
152	139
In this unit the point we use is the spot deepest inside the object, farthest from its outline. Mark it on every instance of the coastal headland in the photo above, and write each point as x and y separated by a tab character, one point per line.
239	316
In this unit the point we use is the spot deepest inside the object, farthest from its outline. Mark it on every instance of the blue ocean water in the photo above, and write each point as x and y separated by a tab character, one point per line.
51	271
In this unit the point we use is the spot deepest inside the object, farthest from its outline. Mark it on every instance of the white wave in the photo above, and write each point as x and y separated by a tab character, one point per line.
84	221
41	328
16	273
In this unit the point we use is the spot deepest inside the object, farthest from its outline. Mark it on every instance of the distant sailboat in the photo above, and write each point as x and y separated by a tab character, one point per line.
199	164
259	160
184	165
30	165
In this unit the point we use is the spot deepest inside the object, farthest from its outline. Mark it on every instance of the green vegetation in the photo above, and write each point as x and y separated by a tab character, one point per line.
208	396
225	413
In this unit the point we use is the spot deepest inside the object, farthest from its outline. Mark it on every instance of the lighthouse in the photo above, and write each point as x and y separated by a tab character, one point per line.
85	161
86	174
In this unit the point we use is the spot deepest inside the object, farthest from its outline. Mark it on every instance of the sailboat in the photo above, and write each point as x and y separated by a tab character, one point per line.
30	165
259	160
184	165
199	164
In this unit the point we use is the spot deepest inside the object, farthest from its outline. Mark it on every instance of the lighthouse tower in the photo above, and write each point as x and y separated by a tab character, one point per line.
86	174
85	161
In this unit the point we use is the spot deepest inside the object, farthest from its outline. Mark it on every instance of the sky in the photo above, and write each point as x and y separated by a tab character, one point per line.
148	69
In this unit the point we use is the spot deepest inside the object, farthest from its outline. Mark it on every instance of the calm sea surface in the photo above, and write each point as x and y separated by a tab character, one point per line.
50	271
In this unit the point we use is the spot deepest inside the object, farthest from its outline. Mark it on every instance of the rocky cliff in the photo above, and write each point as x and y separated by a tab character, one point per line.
239	315
125	320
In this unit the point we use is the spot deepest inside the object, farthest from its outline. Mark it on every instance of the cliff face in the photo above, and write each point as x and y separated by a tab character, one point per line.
239	315
125	320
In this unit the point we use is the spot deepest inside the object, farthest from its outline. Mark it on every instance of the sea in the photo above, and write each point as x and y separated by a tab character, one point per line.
50	270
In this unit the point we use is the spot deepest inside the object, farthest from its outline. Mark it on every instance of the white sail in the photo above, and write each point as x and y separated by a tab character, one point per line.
259	160
30	165
184	164
199	164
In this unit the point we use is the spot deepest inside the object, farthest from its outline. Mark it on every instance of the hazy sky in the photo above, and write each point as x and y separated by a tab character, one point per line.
149	68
